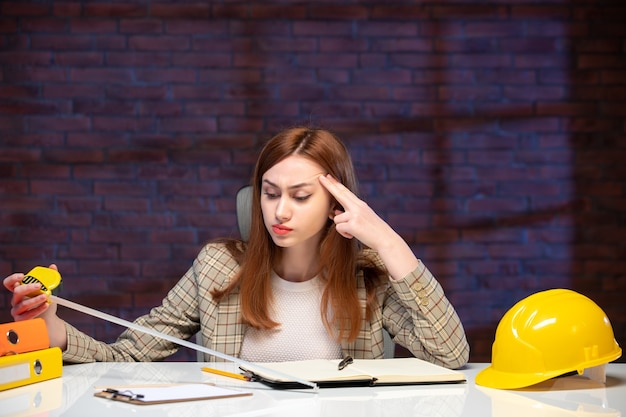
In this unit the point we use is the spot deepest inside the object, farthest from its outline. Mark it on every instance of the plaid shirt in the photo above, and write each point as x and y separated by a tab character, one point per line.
414	311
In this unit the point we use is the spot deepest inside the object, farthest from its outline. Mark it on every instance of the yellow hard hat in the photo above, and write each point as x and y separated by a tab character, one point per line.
547	334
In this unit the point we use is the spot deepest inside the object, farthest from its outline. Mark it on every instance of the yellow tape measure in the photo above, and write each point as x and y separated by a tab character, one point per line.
49	279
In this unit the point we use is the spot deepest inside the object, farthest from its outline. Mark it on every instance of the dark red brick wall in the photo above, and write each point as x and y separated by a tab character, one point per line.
491	135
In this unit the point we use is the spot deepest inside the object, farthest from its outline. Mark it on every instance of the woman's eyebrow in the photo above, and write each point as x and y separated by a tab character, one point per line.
304	183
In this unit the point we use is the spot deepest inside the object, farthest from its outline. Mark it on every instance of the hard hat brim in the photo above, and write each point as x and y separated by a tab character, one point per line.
492	378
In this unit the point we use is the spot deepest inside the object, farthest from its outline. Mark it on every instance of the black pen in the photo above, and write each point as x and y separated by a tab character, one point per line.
345	362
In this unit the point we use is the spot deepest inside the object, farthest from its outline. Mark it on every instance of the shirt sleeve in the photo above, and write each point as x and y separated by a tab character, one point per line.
171	318
177	316
419	317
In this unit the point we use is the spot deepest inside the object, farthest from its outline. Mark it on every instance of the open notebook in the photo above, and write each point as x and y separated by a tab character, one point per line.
361	372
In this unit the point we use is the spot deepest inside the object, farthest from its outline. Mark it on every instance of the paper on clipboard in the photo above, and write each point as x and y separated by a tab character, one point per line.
160	394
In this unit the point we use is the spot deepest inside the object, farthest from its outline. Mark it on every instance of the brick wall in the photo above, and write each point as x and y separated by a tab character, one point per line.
489	134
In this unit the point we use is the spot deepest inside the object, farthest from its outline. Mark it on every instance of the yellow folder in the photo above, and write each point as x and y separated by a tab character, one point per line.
29	368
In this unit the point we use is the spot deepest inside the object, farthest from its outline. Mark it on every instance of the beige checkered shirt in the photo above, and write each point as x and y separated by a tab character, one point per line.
414	311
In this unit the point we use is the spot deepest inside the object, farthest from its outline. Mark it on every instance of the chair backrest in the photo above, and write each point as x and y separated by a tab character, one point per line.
244	210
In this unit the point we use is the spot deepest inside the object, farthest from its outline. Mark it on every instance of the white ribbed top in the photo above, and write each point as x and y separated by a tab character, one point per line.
301	335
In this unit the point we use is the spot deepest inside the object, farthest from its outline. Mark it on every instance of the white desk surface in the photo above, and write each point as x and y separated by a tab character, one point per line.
72	395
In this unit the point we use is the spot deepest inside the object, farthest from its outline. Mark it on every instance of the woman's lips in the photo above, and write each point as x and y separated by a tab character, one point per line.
280	229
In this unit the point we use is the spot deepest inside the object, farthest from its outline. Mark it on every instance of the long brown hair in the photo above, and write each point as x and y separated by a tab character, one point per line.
340	258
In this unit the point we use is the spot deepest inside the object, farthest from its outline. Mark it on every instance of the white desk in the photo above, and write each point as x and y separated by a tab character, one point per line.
72	395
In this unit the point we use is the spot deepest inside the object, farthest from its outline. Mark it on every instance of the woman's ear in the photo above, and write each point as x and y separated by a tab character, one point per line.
334	207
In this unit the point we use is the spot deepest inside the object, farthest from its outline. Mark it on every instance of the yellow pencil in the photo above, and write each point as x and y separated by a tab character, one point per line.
225	373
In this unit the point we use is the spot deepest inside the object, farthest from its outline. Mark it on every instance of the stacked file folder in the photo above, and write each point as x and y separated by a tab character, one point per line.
25	354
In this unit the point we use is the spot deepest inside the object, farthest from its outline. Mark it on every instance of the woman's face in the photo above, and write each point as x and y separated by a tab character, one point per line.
295	205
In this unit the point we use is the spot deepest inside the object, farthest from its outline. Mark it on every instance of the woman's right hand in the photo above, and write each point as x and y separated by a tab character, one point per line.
25	307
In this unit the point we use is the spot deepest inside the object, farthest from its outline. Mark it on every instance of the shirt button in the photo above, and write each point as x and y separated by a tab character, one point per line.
424	300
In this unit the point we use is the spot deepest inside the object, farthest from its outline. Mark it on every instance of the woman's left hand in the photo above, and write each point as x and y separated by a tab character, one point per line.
358	220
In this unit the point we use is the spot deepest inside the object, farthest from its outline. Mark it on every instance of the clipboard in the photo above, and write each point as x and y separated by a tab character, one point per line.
162	394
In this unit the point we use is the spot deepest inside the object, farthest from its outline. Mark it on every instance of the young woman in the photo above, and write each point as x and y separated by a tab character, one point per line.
321	276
